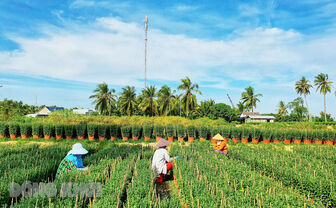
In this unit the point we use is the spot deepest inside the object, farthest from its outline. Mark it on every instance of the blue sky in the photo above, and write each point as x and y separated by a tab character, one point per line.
58	52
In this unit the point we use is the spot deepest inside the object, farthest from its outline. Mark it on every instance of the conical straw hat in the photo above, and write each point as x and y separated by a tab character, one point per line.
218	137
162	143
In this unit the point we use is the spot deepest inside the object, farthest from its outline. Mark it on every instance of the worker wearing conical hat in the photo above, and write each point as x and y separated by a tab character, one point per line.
220	145
161	162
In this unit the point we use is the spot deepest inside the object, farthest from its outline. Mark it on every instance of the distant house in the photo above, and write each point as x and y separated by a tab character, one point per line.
83	111
248	117
45	111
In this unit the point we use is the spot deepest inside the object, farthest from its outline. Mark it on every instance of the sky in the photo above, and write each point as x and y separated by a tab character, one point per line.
56	52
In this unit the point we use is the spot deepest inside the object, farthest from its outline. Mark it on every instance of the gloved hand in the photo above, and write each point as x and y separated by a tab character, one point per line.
176	157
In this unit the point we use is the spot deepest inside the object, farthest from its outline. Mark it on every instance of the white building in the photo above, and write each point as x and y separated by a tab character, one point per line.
83	111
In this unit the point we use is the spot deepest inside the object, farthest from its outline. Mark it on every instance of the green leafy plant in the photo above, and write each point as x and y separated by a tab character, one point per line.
236	133
48	129
102	131
318	135
170	130
114	130
215	130
14	129
3	129
69	130
92	130
297	135
25	129
59	130
37	129
203	132
148	130
226	132
267	134
136	130
245	133
81	130
180	130
191	130
126	131
159	130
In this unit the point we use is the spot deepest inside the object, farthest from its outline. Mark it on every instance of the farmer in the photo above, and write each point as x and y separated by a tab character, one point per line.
220	145
161	163
73	160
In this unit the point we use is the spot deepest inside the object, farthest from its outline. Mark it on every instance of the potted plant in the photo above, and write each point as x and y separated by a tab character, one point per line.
180	132
203	133
318	137
68	131
136	130
297	136
37	130
170	131
59	131
14	130
25	130
81	131
159	132
3	129
102	131
245	135
226	132
256	135
288	136
48	130
277	136
147	131
267	135
236	134
125	132
191	133
92	131
114	131
330	139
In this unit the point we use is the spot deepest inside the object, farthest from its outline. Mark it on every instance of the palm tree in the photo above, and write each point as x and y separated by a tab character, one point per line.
282	110
324	86
249	98
241	107
205	108
189	101
166	99
127	100
104	98
302	87
148	100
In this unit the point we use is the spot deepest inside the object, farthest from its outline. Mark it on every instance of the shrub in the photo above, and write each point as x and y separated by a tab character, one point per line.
304	134
330	135
191	131
81	130
318	135
226	132
69	130
180	130
203	132
59	130
297	134
245	133
25	129
3	128
102	131
37	129
256	133
126	131
136	130
92	130
159	130
267	134
114	130
325	136
214	131
14	129
170	130
48	129
236	133
290	134
147	131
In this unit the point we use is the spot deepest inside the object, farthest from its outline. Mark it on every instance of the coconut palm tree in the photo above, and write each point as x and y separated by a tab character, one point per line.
302	87
205	108
149	103
324	86
189	101
166	99
282	109
249	98
104	98
241	107
127	101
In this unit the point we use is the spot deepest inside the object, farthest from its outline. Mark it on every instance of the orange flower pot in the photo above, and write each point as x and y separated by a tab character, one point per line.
2	136
125	138
202	139
46	136
24	136
267	141
276	141
58	137
170	139
135	138
296	141
235	140
180	139
35	136
226	140
244	140
147	138
191	139
329	142
157	138
101	138
318	141
287	141
307	141
91	138
68	137
13	136
255	141
213	140
80	137
113	138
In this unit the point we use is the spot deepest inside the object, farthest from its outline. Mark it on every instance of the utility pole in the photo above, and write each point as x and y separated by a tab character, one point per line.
146	29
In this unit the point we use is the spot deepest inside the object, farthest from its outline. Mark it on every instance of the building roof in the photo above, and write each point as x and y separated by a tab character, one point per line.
262	117
52	109
245	114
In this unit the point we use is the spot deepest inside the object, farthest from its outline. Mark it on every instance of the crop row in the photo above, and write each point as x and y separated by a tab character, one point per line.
113	132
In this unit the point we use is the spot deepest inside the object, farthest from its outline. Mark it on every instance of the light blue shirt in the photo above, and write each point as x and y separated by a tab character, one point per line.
76	159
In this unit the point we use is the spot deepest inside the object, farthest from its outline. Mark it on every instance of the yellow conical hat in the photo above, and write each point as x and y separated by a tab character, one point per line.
218	137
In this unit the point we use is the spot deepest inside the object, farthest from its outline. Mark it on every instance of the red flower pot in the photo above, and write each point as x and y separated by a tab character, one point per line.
306	141
170	139
329	142
287	141
255	141
213	140
113	138
58	137
235	140
80	137
267	141
147	138
135	138
180	139
276	141
13	136
191	139
157	138
101	138
244	140
202	139
226	140
46	136
125	138
68	137
24	136
35	136
297	141
91	138
318	141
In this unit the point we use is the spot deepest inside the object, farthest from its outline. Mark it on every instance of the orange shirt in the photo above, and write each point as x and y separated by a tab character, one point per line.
221	147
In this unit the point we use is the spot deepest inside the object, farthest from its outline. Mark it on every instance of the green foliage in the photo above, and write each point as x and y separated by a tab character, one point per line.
48	129
202	132
159	130
114	130
14	129
191	130
81	130
102	131
236	133
3	128
226	132
215	130
37	129
69	130
136	130
59	130
245	133
318	134
92	130
170	130
221	110
267	134
25	129
148	130
256	133
126	131
277	135
180	130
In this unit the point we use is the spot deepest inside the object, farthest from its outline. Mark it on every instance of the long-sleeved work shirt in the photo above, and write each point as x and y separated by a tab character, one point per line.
160	160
